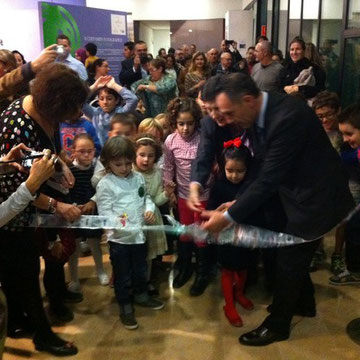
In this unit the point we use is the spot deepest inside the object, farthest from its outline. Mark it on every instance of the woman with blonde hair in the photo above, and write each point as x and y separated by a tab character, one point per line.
197	75
151	126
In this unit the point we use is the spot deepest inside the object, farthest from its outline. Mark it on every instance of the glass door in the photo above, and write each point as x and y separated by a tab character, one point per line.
351	75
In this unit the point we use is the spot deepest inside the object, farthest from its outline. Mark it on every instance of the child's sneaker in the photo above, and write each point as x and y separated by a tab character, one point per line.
129	321
337	264
103	278
152	304
74	286
345	278
84	248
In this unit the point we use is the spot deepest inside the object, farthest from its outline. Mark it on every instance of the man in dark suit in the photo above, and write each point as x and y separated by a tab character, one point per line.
294	159
225	66
131	69
214	132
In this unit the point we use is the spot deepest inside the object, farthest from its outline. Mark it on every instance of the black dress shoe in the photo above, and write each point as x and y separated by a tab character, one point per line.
199	285
310	313
260	337
58	349
19	333
182	278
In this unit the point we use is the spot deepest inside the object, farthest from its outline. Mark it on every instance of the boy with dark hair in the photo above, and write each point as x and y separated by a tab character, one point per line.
129	49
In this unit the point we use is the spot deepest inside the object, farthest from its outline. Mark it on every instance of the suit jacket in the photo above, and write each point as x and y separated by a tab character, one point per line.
127	75
211	145
295	159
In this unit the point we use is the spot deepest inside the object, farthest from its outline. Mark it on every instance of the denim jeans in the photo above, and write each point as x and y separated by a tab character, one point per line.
130	269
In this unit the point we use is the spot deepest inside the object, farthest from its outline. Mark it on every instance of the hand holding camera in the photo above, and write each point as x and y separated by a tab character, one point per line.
41	170
40	164
47	56
11	161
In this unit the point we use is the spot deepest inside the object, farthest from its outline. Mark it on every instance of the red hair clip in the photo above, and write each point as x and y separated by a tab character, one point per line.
236	142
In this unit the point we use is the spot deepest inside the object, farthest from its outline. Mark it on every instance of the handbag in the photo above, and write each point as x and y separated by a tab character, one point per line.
306	77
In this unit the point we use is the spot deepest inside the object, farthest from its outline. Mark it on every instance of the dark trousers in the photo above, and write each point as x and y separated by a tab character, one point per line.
352	245
3	322
54	282
130	269
294	288
19	276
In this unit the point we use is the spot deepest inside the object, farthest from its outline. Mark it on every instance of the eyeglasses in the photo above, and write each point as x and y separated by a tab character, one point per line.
85	152
151	70
329	115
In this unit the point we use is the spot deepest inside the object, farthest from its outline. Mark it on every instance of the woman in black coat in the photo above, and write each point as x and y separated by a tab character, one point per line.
295	65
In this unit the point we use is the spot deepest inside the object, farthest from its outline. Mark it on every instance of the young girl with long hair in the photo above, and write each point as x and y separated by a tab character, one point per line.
180	150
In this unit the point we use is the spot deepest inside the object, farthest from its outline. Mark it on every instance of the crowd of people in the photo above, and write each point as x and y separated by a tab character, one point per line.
209	137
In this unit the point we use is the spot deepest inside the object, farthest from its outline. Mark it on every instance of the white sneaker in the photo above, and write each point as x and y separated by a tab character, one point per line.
84	248
103	278
74	286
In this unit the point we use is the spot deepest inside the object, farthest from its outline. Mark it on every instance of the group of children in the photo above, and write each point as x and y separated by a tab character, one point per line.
140	169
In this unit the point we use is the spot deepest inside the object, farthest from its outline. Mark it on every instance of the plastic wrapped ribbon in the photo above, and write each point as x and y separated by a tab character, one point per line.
237	235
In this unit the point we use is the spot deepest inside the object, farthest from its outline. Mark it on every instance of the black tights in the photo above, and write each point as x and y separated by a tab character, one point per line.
19	276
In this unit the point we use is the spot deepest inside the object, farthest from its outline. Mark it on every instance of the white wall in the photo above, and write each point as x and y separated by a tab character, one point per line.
118	5
241	34
146	34
20	25
22	34
161	39
183	9
171	10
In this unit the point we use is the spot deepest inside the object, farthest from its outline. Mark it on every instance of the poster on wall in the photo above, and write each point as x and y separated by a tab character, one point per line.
105	28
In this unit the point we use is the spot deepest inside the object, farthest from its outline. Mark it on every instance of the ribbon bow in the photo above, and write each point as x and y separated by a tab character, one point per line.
236	142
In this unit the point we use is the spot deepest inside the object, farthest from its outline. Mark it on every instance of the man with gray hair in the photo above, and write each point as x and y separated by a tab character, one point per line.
266	73
225	66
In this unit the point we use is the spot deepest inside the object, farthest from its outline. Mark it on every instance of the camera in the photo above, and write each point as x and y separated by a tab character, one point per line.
28	160
59	49
229	42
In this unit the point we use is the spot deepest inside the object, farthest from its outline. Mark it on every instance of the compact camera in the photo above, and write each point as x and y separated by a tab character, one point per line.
29	158
59	49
